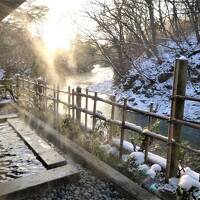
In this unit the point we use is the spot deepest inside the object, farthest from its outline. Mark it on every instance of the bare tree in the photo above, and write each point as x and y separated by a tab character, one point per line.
17	50
131	27
110	33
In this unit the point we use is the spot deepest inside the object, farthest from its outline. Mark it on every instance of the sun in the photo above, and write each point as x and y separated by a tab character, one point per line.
60	27
56	38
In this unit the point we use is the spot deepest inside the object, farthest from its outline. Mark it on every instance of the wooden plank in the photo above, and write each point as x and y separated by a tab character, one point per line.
94	120
112	117
86	107
78	104
124	113
69	100
22	188
52	159
8	116
73	111
45	153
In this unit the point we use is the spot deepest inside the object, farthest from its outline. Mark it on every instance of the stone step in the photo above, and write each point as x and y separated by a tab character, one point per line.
23	188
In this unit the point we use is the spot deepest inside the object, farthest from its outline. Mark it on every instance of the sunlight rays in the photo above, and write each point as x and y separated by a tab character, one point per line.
60	28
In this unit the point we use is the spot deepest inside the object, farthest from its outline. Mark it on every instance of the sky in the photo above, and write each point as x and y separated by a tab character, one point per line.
61	25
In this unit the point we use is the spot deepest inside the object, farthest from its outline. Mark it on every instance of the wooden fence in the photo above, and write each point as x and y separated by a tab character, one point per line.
76	110
5	88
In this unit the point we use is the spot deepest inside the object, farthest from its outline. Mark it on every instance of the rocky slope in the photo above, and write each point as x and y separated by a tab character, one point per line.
140	91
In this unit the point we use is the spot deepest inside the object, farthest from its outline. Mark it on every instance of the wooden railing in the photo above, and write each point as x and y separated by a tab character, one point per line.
6	88
74	103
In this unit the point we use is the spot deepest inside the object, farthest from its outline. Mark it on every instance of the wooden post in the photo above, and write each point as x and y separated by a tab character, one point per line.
69	100
73	114
45	97
17	86
112	118
57	104
78	104
23	93
177	112
23	83
94	112
40	92
122	128
86	107
54	105
147	139
29	94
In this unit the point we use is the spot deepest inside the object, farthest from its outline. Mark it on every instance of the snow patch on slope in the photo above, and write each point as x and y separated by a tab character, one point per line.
140	94
1	74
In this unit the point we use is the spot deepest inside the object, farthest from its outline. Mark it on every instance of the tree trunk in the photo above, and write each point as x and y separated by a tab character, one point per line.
152	25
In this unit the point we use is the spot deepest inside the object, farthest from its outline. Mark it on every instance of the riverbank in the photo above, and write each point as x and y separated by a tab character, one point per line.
141	92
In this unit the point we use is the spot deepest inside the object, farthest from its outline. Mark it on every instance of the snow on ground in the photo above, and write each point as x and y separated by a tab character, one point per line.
138	157
106	87
127	146
187	182
138	90
5	101
170	187
1	73
143	167
193	174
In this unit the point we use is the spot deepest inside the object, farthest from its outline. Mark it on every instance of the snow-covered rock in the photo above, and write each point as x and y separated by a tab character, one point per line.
156	168
182	57
187	182
143	168
153	158
190	172
151	173
127	146
138	157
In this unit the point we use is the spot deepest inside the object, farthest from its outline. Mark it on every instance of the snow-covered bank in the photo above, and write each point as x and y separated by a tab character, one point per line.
140	93
153	178
1	74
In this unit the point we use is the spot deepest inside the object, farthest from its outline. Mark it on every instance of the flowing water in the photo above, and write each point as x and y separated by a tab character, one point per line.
100	75
16	159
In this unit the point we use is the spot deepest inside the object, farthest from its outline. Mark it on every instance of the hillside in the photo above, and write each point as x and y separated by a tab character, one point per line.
140	92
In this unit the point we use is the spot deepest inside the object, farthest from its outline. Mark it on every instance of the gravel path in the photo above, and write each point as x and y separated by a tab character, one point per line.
88	187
